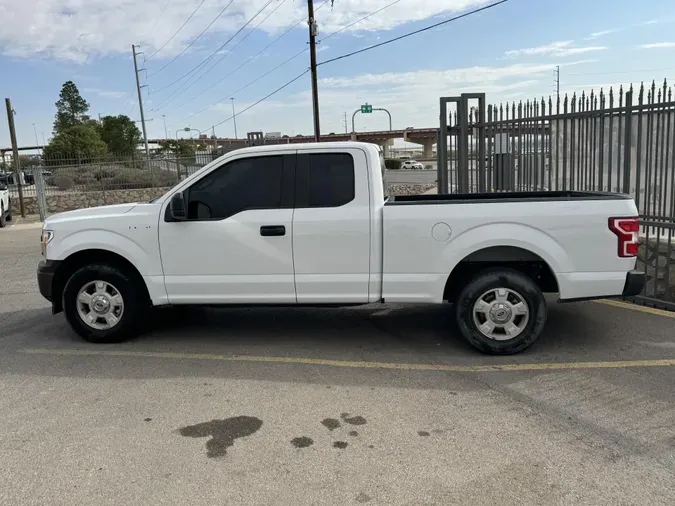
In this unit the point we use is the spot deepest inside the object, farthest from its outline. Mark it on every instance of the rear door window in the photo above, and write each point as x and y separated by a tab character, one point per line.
331	181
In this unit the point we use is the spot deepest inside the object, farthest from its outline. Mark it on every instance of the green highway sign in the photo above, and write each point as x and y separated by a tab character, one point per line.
366	109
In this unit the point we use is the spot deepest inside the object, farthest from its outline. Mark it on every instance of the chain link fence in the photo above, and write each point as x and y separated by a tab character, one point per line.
111	172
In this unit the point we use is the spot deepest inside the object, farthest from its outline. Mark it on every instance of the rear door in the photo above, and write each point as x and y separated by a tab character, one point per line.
331	227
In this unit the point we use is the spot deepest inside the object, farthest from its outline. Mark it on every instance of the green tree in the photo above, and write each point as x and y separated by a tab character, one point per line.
71	108
76	144
120	134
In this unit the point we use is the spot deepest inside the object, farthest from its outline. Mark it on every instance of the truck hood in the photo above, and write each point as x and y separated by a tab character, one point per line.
91	212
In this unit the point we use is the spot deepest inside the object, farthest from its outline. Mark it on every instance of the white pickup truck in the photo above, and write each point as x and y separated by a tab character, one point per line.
310	224
5	205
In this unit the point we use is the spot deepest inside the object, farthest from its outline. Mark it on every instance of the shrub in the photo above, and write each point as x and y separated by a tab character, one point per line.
63	181
392	163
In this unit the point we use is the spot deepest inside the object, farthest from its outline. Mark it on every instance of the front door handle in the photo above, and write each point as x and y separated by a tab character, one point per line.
272	230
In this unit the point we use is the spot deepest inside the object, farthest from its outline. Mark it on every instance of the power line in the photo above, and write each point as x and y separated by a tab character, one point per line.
278	66
263	99
176	33
205	60
253	58
161	14
363	50
248	84
359	20
193	41
187	86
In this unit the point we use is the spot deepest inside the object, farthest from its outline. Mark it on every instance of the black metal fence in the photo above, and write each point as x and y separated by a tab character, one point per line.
608	141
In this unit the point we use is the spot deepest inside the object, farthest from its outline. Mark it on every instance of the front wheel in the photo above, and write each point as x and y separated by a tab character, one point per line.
9	210
102	304
2	215
501	312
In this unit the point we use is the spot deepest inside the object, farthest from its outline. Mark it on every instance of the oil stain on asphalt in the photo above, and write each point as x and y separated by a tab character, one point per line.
330	423
302	442
222	432
353	420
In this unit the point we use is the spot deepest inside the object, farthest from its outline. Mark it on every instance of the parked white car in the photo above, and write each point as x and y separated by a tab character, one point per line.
5	205
310	224
412	164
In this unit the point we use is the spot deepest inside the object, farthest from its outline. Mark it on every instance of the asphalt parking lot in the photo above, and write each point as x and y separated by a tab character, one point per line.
379	405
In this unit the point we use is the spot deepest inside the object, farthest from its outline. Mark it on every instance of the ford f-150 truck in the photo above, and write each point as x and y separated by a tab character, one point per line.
310	224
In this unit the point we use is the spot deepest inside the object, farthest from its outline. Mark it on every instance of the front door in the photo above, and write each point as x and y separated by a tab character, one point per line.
236	245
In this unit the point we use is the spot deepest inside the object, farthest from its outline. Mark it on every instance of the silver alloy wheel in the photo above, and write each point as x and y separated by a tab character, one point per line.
100	305
501	314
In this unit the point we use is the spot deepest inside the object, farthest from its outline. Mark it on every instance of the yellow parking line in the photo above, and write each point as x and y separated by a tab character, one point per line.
637	307
544	366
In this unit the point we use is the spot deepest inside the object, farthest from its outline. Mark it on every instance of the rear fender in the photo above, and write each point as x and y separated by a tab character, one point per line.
501	234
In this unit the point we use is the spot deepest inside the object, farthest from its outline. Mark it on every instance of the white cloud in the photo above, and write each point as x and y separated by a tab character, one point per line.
558	48
601	33
79	30
106	93
657	45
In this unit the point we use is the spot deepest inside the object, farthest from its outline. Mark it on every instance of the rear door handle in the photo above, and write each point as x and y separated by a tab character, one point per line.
272	230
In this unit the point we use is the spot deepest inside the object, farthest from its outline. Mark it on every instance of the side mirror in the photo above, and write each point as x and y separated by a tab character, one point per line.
177	207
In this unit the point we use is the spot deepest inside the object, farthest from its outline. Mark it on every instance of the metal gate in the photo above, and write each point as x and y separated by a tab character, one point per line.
619	142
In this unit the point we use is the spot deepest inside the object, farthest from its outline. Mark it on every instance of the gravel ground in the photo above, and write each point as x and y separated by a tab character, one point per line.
409	189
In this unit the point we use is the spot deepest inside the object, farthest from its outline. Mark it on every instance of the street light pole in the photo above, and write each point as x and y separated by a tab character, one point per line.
234	118
37	142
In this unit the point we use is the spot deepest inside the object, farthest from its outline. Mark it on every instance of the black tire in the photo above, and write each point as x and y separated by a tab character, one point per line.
523	287
2	215
9	211
128	324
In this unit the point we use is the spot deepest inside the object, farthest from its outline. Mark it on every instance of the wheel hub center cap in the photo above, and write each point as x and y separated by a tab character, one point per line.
100	304
500	313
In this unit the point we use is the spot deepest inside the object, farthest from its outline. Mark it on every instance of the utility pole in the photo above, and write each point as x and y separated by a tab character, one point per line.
15	154
166	134
557	81
140	105
344	119
234	118
313	30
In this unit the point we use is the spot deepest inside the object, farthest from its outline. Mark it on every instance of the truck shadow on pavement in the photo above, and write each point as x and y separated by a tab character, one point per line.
377	333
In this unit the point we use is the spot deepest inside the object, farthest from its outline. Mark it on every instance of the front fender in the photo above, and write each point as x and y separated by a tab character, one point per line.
103	240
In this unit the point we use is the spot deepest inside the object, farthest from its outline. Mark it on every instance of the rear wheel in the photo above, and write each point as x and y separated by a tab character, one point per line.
501	312
2	215
102	304
9	211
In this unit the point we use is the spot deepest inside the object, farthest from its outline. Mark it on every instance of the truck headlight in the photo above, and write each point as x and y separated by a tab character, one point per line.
47	236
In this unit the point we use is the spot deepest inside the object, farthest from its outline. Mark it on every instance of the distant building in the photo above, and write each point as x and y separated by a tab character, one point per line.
273	135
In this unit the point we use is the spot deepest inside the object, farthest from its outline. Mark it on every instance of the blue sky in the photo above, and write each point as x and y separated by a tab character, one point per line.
509	52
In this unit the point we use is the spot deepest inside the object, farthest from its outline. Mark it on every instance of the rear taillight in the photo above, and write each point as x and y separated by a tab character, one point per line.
626	229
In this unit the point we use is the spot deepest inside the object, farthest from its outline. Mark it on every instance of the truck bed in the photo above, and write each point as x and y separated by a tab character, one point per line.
475	198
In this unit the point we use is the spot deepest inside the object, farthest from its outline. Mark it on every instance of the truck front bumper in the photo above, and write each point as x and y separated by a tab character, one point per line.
635	283
45	277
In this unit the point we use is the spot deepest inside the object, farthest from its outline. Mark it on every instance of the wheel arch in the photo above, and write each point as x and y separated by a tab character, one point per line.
92	256
512	257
